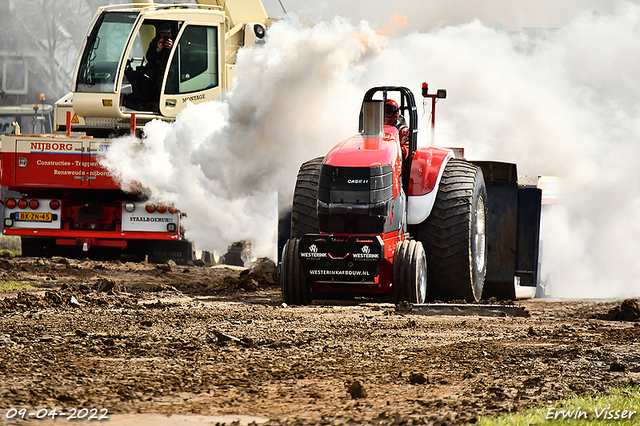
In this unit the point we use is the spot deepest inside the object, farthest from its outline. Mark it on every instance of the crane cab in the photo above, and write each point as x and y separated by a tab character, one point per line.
119	74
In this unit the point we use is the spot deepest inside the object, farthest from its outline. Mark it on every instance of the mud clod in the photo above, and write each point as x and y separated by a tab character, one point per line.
356	390
168	266
104	285
265	272
617	367
417	379
404	307
628	310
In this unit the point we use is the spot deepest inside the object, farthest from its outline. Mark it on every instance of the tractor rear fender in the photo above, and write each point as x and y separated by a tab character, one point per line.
427	167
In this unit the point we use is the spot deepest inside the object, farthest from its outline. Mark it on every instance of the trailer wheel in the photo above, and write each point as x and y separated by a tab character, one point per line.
294	287
409	272
454	235
304	215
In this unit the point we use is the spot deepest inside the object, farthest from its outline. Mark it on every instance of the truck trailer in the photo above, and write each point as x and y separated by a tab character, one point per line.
138	62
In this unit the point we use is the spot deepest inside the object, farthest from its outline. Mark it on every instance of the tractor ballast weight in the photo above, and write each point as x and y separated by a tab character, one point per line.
514	219
369	220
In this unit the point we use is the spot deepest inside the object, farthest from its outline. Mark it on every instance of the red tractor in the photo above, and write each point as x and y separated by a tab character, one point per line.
374	218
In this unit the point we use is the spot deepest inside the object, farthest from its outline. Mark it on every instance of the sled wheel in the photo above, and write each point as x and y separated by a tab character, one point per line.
454	235
294	287
409	273
304	214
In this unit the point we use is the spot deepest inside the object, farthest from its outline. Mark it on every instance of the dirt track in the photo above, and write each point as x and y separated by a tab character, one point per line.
209	342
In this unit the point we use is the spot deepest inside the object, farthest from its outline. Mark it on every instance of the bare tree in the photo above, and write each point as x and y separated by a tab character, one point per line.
41	40
44	36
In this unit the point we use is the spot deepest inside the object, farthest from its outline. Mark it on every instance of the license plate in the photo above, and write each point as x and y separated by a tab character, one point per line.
33	217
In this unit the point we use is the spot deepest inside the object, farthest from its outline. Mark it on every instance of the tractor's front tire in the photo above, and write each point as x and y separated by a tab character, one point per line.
304	214
454	235
293	284
409	272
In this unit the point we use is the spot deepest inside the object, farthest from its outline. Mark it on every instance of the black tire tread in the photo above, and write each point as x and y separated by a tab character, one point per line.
407	254
295	290
304	214
445	233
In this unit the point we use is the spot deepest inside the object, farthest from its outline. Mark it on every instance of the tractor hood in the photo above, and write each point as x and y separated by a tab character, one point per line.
360	151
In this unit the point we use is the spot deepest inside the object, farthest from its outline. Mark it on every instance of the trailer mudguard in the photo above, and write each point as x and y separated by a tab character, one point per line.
528	234
513	230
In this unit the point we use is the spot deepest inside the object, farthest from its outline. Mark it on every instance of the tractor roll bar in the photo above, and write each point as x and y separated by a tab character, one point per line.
407	103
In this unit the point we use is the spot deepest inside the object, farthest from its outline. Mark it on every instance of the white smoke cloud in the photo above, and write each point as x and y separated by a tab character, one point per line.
569	110
568	107
223	162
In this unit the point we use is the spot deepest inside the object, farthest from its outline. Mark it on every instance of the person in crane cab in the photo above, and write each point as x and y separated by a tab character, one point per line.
392	117
146	80
159	50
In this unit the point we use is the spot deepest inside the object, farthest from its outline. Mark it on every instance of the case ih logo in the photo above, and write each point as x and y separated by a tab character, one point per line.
47	146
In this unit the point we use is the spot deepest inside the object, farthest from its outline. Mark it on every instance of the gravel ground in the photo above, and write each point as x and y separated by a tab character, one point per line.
163	344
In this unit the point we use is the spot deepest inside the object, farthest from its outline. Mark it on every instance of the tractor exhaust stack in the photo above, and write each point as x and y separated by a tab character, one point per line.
372	124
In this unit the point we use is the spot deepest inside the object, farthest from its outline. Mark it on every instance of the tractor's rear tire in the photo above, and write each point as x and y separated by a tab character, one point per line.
293	284
454	235
409	272
304	215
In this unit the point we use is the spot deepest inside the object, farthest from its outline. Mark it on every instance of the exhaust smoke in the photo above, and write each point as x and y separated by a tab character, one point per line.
566	104
224	162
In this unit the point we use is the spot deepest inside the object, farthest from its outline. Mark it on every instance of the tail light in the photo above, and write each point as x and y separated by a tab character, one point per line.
150	208
162	209
22	203
54	204
34	204
173	210
10	203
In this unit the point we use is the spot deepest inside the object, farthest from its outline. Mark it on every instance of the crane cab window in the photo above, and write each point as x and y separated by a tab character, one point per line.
146	64
194	66
137	53
102	53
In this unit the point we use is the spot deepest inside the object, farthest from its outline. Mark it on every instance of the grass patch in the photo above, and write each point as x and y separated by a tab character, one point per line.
10	246
619	406
13	285
10	253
